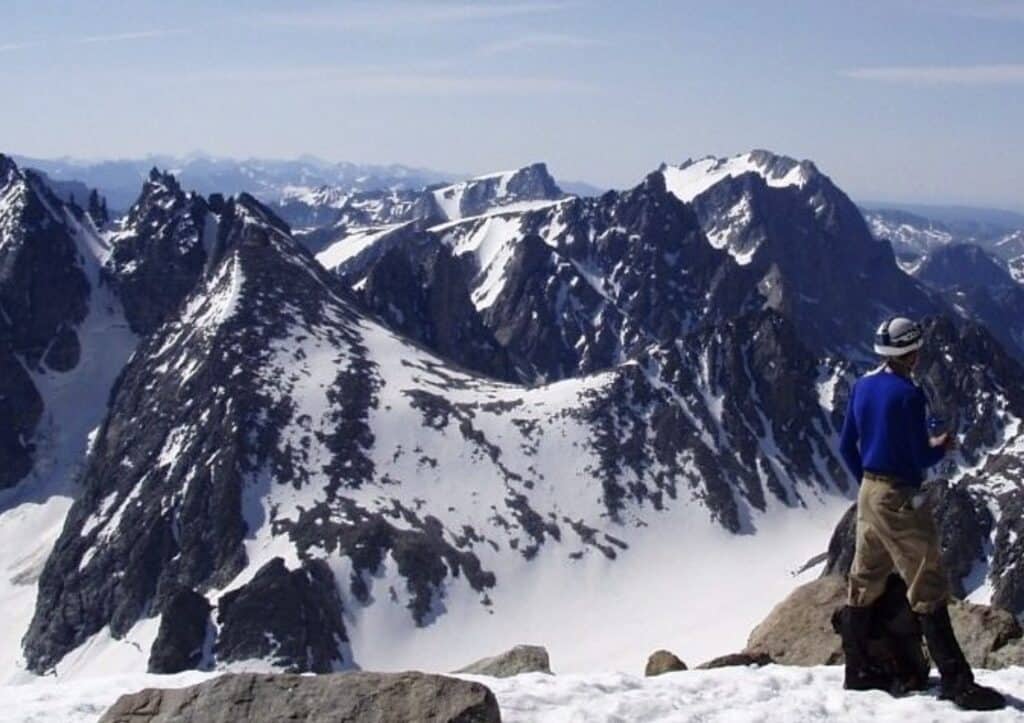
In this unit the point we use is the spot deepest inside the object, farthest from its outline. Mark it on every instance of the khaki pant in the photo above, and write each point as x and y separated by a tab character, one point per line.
891	534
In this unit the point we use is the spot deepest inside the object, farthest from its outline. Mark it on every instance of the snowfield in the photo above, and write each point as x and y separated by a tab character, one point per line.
772	693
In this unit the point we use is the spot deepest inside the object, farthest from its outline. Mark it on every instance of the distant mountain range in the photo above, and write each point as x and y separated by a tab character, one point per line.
350	426
268	179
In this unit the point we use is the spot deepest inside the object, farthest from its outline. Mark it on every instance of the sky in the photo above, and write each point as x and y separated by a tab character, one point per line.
897	100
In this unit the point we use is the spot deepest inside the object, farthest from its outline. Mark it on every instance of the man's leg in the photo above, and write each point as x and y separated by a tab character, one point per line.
912	541
871	567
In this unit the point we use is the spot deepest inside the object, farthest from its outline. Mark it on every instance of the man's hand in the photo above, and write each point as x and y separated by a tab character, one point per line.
945	440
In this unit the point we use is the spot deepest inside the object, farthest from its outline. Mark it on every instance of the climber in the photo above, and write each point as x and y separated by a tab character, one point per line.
885	444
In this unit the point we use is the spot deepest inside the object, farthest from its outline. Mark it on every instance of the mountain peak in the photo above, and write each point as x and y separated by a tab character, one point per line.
476	195
692	178
7	165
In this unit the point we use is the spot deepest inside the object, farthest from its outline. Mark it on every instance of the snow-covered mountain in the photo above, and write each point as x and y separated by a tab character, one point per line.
915	236
515	414
267	179
335	209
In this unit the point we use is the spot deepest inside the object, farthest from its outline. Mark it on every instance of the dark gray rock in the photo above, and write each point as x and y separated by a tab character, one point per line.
517	660
350	697
292	618
43	288
21	408
733	660
185	629
663	661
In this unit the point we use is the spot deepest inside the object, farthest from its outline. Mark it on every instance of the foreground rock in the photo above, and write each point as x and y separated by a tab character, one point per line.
737	660
520	659
662	661
798	631
349	697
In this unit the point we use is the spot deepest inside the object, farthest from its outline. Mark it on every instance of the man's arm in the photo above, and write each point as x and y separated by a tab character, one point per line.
924	453
849	439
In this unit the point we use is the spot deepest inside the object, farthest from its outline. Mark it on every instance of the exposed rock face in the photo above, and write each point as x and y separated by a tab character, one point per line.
424	293
663	661
184	630
352	697
290	618
518	660
43	288
160	250
44	295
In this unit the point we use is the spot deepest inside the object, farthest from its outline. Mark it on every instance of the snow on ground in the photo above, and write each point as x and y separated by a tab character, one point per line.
734	695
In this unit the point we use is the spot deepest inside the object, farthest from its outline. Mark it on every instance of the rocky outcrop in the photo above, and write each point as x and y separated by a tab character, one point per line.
291	618
799	630
185	629
160	251
518	660
663	661
350	697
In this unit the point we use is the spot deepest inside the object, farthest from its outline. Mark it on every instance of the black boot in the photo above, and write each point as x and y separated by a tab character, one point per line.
861	672
957	679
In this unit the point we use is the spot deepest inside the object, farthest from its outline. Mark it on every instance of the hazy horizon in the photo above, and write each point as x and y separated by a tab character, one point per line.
905	100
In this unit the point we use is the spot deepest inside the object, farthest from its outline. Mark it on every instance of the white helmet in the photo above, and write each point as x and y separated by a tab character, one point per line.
898	336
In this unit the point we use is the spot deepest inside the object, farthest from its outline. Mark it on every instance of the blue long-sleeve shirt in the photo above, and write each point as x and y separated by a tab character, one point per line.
885	430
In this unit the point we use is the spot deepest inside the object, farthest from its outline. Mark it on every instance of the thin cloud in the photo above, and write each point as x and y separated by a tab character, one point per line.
398	14
535	40
377	81
1004	74
16	46
92	39
138	35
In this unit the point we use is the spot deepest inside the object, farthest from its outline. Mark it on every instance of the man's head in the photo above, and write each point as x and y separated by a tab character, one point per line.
898	340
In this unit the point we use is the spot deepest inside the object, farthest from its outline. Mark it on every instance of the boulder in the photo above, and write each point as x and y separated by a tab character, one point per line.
351	697
520	659
737	660
799	630
990	637
662	661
